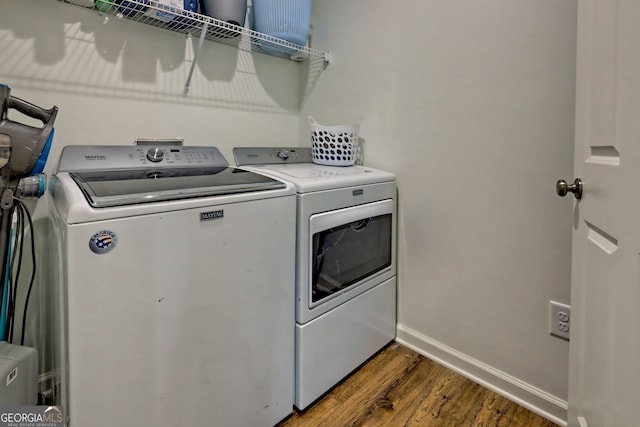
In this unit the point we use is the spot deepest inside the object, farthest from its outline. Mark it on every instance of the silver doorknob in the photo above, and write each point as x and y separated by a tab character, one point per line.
562	188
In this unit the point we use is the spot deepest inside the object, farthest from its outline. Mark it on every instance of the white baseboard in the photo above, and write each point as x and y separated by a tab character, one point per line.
525	395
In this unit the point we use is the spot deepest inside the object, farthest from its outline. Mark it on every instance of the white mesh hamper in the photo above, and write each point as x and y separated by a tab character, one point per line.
334	145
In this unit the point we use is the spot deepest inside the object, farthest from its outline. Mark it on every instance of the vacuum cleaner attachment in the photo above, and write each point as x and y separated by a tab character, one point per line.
23	149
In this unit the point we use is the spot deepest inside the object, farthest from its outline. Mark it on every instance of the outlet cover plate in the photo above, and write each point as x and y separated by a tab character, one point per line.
559	319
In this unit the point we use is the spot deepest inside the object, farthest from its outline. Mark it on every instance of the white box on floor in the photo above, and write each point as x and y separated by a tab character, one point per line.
18	375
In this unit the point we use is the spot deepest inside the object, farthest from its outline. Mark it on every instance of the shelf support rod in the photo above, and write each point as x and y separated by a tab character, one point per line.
187	85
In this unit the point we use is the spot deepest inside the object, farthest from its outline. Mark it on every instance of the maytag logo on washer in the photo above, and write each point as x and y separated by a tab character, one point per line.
208	216
102	242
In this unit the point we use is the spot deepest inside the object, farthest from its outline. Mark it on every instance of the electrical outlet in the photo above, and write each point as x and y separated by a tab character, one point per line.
559	319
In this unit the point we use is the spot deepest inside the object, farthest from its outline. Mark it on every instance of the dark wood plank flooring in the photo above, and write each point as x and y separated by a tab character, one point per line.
399	387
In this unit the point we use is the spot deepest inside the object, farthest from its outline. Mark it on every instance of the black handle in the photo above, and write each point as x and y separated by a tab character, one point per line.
32	110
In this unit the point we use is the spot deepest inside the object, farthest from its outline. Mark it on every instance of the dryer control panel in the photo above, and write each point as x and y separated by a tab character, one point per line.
246	156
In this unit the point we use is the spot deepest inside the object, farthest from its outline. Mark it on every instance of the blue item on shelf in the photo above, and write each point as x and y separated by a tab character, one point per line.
183	22
285	19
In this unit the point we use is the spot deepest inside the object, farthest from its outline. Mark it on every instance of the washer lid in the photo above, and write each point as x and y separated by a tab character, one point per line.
125	187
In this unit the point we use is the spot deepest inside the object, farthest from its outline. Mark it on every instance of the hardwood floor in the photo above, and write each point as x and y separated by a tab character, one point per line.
399	387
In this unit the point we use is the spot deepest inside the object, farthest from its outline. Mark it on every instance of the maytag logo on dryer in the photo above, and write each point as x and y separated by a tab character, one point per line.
95	157
358	192
211	215
103	241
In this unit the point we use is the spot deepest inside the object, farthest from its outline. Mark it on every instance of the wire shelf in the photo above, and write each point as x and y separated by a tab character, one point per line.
154	13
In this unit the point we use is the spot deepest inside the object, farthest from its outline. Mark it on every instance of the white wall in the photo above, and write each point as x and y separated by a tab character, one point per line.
116	80
471	105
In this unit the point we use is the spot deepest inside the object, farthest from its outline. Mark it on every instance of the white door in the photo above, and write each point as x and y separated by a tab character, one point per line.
604	377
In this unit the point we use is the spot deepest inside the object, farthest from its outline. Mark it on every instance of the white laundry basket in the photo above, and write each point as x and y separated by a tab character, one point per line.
334	145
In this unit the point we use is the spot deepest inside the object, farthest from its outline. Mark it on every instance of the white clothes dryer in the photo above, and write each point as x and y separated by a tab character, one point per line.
345	263
176	277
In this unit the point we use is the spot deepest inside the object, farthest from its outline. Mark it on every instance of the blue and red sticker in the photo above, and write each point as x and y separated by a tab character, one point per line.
103	241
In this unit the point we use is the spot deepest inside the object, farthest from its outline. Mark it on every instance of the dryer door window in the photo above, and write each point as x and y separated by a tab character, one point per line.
345	255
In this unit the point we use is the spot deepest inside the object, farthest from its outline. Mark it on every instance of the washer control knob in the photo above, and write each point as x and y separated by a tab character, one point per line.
284	154
155	154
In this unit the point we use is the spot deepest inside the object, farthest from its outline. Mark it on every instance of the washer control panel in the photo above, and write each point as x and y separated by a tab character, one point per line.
112	157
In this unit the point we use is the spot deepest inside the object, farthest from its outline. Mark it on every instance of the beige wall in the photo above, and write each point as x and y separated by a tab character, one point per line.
471	105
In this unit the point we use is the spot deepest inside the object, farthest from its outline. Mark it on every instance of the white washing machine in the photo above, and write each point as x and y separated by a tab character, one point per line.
176	288
345	263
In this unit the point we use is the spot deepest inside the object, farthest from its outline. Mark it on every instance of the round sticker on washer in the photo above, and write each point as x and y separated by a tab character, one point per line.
103	241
